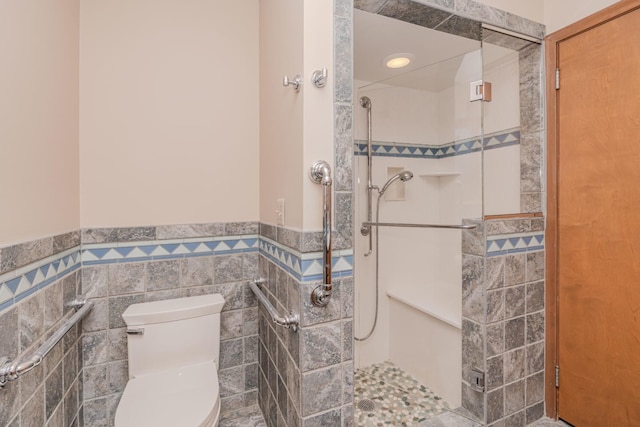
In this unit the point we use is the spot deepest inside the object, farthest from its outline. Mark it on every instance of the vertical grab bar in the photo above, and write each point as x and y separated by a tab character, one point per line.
321	174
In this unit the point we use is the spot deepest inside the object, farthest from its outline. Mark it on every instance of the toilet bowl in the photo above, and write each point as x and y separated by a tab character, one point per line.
173	349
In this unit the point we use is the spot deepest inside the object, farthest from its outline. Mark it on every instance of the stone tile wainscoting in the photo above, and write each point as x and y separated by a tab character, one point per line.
126	266
36	280
306	377
81	380
503	320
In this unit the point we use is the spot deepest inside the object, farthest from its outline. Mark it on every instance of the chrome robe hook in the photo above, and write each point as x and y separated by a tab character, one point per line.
296	82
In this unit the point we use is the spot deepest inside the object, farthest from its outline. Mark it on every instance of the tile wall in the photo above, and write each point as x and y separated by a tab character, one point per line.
81	381
36	280
503	320
306	377
130	265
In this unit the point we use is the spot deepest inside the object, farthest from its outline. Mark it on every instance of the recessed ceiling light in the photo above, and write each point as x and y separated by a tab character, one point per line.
398	60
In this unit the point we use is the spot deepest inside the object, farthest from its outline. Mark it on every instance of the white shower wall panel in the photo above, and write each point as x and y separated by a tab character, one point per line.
399	114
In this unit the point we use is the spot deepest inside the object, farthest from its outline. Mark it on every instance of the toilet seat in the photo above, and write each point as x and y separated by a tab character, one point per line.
188	397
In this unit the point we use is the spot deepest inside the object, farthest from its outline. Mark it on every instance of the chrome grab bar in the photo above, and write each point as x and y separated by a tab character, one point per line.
290	321
11	371
321	174
394	224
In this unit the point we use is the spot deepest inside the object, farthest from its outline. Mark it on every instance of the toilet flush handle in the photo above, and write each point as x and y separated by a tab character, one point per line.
136	331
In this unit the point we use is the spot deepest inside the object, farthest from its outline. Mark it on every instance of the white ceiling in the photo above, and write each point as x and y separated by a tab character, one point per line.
376	37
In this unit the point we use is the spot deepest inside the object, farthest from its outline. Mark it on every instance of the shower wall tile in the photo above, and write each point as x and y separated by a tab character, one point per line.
473	340
535	358
532	126
535	389
292	363
473	240
473	293
535	266
495	373
535	327
531	202
290	238
343	220
311	241
514	397
514	301
343	52
414	13
510	226
495	405
473	401
534	413
479	11
320	388
369	5
460	26
321	346
344	146
343	8
514	363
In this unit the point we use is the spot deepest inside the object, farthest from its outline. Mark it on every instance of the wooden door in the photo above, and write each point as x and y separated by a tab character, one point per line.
598	224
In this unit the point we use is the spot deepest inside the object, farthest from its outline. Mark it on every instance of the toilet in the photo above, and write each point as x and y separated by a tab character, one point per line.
174	347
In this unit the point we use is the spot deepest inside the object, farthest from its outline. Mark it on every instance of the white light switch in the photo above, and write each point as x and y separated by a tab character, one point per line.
280	211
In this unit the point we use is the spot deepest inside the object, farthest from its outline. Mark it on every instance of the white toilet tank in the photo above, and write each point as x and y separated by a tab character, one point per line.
165	335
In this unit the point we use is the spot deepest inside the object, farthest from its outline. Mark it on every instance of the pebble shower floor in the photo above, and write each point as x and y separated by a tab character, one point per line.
397	398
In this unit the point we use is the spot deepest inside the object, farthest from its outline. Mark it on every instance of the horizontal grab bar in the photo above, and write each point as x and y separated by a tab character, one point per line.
395	224
290	321
11	371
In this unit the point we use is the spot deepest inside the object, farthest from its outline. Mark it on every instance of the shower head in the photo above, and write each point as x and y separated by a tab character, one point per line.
402	176
365	102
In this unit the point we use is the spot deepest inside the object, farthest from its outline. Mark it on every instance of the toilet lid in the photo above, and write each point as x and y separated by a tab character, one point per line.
189	396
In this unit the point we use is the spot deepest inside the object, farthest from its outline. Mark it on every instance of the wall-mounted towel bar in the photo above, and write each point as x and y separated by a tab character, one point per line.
12	371
290	321
394	224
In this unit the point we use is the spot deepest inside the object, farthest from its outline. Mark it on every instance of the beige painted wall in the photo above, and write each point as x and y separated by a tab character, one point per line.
318	105
296	128
281	146
559	14
169	111
39	126
555	14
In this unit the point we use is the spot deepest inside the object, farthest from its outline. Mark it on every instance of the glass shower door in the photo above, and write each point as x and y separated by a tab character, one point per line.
425	121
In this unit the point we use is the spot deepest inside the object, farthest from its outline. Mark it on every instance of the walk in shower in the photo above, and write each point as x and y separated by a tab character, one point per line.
437	146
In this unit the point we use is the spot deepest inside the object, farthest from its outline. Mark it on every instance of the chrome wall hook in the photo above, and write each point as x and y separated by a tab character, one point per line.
296	82
319	77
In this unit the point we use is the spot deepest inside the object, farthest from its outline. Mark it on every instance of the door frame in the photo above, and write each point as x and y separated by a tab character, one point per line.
551	234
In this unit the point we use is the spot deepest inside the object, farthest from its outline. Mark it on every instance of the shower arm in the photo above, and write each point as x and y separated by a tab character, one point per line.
321	174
